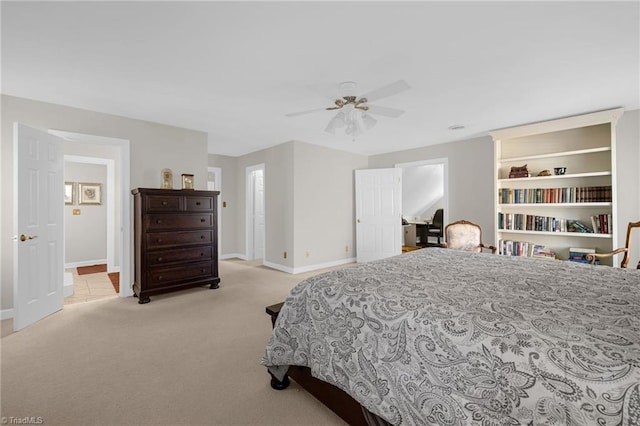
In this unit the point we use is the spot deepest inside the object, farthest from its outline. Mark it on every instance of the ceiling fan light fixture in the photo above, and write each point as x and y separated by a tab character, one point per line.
368	121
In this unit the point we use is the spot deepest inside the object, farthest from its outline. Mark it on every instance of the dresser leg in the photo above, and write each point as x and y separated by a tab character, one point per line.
144	300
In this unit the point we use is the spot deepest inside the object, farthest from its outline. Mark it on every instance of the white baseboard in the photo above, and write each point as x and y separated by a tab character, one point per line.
85	263
309	268
232	256
6	314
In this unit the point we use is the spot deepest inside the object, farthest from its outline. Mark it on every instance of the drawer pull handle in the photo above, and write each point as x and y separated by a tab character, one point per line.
203	270
202	220
159	240
201	254
164	203
202	237
159	221
159	259
159	277
198	203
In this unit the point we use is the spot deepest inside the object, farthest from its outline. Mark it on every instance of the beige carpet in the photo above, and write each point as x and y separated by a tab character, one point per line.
187	358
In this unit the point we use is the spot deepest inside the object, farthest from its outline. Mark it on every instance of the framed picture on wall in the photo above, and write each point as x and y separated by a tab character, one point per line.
90	193
69	193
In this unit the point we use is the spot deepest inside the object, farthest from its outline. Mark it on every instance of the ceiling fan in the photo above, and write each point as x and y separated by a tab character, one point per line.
354	111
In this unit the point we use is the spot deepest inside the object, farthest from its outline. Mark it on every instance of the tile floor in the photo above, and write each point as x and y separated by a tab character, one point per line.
89	287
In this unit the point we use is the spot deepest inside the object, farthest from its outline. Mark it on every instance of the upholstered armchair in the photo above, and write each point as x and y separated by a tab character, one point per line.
465	235
591	257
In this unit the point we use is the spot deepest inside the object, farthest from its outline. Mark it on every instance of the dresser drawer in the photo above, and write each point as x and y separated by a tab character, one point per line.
161	277
167	239
199	203
163	257
154	222
163	203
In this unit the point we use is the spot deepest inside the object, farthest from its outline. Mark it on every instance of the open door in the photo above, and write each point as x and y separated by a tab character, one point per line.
38	203
378	213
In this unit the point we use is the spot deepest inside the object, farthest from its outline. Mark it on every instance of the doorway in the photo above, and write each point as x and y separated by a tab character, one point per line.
424	191
78	145
255	214
214	183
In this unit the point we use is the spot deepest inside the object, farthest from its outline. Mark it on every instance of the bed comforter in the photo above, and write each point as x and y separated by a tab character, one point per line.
446	337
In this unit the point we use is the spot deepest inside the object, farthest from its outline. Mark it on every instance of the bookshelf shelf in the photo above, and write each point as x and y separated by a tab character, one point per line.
581	144
585	205
557	154
556	177
557	234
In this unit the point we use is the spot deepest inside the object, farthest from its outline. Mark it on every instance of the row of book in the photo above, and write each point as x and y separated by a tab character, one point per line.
528	222
579	254
524	248
578	194
602	224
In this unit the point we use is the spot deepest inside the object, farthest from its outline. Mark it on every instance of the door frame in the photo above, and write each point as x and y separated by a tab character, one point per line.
445	163
110	196
217	171
249	222
126	260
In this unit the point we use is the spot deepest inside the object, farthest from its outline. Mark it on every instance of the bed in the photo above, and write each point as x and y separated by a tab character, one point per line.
439	336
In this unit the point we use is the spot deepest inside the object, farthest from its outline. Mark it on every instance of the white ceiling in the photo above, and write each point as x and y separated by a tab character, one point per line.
234	69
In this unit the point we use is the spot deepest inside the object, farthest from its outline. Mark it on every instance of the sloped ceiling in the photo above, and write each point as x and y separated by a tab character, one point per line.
234	69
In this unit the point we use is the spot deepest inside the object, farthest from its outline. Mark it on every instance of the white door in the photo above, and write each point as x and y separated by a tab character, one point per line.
214	183
38	271
255	217
258	214
378	213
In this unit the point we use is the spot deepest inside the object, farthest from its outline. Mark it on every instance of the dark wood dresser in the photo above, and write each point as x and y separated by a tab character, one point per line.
176	240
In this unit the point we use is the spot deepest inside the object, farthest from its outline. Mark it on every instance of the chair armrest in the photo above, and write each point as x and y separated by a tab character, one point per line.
591	257
492	248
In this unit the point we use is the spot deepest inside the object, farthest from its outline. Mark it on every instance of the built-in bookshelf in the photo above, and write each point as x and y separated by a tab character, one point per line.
567	195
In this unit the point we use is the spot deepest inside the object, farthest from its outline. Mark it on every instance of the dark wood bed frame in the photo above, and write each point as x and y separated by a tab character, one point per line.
334	398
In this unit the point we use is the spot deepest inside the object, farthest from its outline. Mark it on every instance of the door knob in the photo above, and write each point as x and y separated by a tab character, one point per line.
25	237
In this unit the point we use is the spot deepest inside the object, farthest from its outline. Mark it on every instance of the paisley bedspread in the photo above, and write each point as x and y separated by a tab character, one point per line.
446	337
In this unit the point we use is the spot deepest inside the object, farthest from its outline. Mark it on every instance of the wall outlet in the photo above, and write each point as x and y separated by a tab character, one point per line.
76	212
285	255
306	254
224	204
346	249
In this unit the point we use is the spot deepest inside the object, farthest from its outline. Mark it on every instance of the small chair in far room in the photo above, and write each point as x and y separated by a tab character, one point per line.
591	257
434	229
466	236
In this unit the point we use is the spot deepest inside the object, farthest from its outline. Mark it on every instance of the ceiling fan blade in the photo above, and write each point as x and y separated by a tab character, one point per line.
295	114
386	111
388	90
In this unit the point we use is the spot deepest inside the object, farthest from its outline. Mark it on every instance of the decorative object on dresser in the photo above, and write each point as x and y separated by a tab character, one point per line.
570	199
187	181
167	179
176	240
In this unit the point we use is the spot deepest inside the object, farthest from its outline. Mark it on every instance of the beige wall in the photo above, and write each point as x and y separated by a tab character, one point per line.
470	170
85	234
324	203
309	201
152	147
